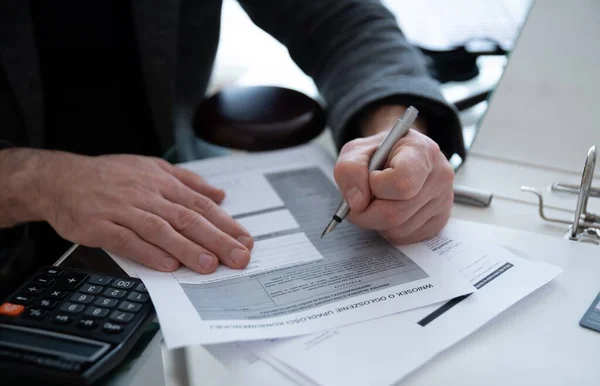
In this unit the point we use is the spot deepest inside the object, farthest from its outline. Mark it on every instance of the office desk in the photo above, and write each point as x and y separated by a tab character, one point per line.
538	341
539	134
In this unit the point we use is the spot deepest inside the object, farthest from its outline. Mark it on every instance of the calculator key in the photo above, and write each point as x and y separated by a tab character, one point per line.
91	289
114	293
87	323
82	298
138	297
43	280
10	309
71	280
123	283
33	289
62	319
106	302
51	271
141	288
35	313
128	306
21	299
72	308
122	317
112	328
96	312
56	294
47	304
99	280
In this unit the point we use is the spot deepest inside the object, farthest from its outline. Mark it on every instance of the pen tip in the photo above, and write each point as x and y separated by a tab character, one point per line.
331	226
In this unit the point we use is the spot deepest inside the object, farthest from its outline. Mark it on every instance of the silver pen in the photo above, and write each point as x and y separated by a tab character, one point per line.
378	160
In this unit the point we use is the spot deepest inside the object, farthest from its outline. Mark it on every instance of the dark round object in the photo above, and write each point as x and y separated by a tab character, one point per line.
258	118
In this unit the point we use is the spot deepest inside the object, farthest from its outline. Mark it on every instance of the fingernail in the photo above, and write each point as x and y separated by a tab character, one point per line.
354	197
205	260
246	240
168	264
237	255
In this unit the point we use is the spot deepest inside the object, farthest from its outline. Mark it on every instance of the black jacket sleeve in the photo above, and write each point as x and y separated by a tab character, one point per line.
357	55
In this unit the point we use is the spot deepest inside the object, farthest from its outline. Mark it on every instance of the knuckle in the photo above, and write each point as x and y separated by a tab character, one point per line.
185	220
447	173
203	205
223	243
394	215
160	162
350	145
432	148
133	193
164	181
122	241
406	186
152	225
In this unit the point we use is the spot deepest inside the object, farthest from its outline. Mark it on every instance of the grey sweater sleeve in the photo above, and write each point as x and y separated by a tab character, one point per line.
357	55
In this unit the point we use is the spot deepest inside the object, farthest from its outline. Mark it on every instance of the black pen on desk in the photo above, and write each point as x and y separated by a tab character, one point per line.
378	160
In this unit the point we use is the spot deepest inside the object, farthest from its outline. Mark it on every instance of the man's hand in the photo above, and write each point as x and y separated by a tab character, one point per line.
411	198
142	208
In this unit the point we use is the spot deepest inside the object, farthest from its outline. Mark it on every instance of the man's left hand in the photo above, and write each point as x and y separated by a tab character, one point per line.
410	199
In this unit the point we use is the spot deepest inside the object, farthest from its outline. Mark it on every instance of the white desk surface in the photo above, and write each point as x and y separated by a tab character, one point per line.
528	140
537	131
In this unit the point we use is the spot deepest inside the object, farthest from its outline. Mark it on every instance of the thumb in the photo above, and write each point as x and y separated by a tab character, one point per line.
351	173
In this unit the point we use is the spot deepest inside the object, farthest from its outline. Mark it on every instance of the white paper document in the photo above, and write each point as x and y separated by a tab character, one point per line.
248	369
385	350
296	283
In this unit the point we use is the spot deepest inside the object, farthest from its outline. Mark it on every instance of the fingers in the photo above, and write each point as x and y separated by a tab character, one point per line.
387	214
412	160
384	214
123	241
432	227
194	182
352	171
202	256
416	225
159	232
194	228
200	231
403	220
209	210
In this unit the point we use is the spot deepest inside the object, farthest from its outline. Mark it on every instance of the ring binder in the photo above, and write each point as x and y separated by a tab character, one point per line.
584	226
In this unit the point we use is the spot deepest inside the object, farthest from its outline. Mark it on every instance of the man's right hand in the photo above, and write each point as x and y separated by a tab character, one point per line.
138	207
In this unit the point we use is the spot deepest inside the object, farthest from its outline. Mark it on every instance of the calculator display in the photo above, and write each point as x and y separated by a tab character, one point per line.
51	343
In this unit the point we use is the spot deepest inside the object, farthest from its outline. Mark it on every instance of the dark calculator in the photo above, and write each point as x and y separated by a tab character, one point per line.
68	326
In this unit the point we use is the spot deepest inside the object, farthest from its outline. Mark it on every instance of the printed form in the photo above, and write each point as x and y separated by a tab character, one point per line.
401	343
296	283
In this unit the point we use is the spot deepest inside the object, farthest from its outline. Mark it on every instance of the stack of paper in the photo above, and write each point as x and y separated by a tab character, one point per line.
399	306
